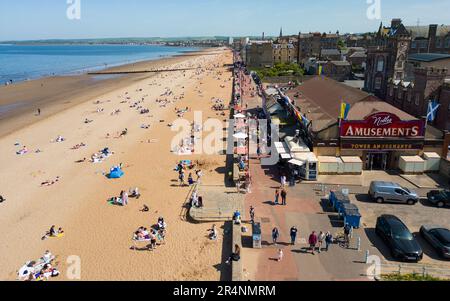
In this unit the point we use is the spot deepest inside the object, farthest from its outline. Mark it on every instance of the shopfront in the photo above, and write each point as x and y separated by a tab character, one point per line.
381	138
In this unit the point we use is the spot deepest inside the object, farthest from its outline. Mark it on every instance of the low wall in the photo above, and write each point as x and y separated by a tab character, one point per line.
236	266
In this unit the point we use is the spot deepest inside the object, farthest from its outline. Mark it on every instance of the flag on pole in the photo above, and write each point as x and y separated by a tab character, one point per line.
320	69
345	109
433	107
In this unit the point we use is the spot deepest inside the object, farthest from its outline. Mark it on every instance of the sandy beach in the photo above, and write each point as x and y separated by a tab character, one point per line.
100	233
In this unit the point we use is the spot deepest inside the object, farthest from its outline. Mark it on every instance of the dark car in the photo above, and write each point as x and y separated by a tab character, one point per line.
439	198
439	239
402	243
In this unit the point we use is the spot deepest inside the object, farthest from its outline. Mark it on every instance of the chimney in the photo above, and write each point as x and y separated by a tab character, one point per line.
432	32
263	36
396	22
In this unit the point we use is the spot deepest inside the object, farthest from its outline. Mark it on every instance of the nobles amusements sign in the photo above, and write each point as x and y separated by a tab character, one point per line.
382	125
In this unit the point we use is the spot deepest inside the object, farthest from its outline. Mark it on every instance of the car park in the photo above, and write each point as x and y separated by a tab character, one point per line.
399	239
438	237
389	192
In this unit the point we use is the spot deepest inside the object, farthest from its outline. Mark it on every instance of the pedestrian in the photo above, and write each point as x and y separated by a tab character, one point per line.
39	111
199	174
277	196
275	235
347	234
312	241
181	178
293	235
190	179
252	214
283	181
280	255
283	197
328	240
321	239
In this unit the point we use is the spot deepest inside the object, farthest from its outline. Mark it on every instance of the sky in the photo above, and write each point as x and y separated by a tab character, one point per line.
47	19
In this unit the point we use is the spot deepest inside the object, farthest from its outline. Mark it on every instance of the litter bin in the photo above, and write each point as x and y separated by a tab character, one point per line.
352	217
337	199
256	235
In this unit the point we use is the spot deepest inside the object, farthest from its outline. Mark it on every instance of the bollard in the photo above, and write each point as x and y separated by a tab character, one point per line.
367	257
358	246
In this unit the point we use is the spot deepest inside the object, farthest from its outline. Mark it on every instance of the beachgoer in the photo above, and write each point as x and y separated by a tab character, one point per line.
275	235
283	181
236	256
39	111
181	178
145	208
237	217
190	179
2	199
280	255
293	233
213	233
312	241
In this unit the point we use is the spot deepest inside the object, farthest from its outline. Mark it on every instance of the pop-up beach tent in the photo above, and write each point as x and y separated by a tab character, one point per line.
116	173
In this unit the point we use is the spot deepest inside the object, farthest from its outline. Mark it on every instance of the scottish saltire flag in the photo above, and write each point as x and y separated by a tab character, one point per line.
345	109
433	107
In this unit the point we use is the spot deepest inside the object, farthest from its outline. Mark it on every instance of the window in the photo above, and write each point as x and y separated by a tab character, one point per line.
400	93
414	45
409	96
417	100
378	83
439	43
447	43
391	91
380	64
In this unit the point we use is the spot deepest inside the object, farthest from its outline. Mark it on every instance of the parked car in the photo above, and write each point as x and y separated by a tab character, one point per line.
439	239
439	198
392	192
401	242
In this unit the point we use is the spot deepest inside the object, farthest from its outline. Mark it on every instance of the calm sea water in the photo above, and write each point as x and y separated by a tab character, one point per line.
19	63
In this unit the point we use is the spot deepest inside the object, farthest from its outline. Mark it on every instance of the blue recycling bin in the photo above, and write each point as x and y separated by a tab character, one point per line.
337	199
352	217
346	207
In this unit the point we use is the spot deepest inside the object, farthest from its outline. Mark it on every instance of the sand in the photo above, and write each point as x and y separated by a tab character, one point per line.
99	233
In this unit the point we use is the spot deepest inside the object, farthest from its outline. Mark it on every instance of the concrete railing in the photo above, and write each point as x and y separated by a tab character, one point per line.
236	266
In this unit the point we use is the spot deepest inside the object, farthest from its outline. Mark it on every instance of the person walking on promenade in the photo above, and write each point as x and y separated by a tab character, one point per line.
321	239
280	255
312	242
293	235
275	235
277	196
236	256
252	214
283	197
283	181
328	240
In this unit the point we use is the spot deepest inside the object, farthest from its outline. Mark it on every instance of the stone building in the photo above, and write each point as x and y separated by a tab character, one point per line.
259	54
430	39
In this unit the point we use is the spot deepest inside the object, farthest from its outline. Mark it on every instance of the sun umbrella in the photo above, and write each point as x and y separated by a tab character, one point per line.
240	135
239	116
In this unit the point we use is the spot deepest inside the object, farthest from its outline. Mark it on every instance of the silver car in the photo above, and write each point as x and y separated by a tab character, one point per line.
392	193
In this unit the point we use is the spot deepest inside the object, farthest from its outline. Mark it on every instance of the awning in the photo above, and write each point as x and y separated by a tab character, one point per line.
285	156
297	162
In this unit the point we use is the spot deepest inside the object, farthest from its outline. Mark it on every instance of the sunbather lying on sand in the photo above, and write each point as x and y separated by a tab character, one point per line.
78	146
2	199
53	232
23	151
50	183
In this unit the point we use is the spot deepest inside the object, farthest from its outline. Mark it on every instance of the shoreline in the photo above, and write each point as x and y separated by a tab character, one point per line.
52	94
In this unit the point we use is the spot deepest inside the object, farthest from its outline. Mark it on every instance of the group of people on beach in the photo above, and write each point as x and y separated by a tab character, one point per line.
156	233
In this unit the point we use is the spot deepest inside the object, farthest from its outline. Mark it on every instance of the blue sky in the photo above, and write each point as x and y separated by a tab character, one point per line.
44	19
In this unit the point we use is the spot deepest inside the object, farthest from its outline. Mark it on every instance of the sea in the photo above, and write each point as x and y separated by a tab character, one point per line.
25	62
